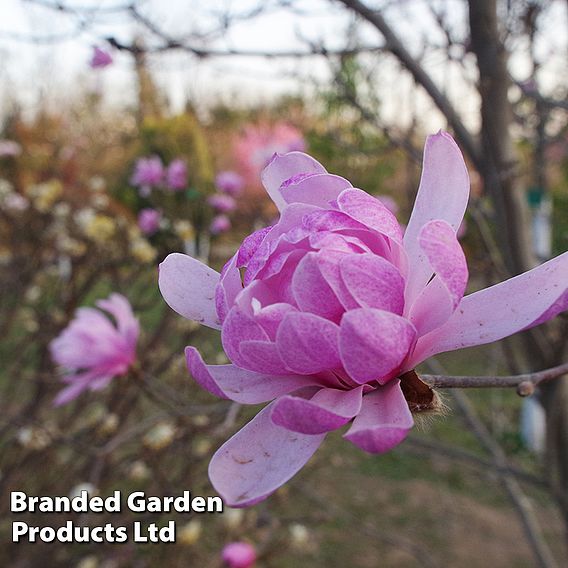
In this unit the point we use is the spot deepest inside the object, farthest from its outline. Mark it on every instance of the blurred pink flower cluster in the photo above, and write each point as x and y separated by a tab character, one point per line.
229	184
256	145
150	173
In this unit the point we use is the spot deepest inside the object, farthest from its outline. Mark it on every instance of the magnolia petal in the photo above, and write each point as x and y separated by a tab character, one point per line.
318	189
501	310
119	307
443	293
308	343
228	288
369	211
373	344
373	282
237	327
432	308
311	290
443	194
262	357
439	242
188	287
240	385
284	167
270	317
250	245
327	410
384	420
258	459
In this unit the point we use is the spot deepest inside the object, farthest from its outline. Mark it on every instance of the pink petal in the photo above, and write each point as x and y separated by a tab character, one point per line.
262	357
308	343
283	167
127	323
258	459
312	292
384	420
228	288
501	310
441	296
188	287
442	194
373	344
444	253
327	410
240	385
370	212
250	245
318	189
270	317
373	282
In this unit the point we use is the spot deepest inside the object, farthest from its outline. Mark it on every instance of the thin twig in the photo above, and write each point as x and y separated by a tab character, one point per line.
525	383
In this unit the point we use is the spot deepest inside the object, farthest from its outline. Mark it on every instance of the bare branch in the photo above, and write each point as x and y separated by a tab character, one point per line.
525	383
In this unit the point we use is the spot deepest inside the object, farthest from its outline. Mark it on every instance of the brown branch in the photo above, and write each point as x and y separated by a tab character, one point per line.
522	504
396	47
525	383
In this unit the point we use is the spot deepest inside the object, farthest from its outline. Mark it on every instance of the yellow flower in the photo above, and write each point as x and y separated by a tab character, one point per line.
142	250
184	230
101	228
44	195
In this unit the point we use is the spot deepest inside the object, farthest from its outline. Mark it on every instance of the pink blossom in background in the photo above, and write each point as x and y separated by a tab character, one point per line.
222	202
229	182
149	220
220	224
16	202
258	143
239	555
93	349
148	172
334	306
176	175
100	58
9	149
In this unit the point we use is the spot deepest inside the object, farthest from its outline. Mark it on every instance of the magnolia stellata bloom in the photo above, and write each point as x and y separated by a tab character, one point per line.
222	202
220	224
176	175
239	555
229	182
258	143
93	349
148	172
100	58
149	220
335	306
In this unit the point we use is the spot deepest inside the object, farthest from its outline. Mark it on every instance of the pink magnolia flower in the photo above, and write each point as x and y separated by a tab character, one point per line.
335	305
229	182
220	224
258	143
239	555
176	175
93	350
222	202
149	220
100	58
148	172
